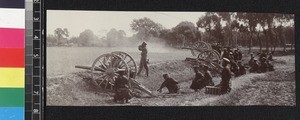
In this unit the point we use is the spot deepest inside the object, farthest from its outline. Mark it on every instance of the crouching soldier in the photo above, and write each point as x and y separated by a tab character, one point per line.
263	65
242	69
198	78
170	83
255	67
122	91
225	75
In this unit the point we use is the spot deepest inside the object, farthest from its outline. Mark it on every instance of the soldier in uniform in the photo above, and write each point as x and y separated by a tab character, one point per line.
239	54
143	61
270	57
251	61
170	83
262	55
225	75
207	77
255	67
198	78
236	55
122	91
242	69
234	67
263	65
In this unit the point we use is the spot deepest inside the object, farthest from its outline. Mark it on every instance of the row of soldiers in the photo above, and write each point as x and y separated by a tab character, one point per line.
263	65
201	80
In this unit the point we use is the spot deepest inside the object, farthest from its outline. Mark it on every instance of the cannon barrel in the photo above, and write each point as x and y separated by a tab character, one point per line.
96	68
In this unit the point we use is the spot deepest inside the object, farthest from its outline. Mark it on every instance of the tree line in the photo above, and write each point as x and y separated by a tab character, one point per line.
264	30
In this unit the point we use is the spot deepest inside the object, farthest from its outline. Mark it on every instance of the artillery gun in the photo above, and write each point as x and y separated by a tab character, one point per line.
205	55
105	68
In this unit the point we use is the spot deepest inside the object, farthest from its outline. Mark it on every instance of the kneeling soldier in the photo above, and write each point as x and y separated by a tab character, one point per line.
122	88
170	83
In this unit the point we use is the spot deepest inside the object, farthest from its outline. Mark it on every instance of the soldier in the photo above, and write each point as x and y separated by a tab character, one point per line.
207	77
122	91
270	57
236	56
143	61
251	61
263	65
170	83
234	67
240	54
270	67
242	69
198	78
255	67
226	53
226	75
262	55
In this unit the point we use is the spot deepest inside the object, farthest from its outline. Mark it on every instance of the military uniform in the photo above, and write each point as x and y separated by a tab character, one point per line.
122	91
225	76
255	67
143	60
242	69
263	66
171	85
197	81
224	84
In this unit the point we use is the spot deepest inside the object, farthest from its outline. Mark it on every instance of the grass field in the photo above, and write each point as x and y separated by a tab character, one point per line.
62	60
67	86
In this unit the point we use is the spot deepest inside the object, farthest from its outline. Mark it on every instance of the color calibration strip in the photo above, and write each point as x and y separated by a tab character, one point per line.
12	54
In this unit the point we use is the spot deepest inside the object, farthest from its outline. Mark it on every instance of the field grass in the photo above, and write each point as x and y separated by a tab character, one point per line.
62	60
67	86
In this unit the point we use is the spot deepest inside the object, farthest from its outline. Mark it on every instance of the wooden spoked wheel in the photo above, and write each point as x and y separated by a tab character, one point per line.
105	70
129	61
209	56
198	47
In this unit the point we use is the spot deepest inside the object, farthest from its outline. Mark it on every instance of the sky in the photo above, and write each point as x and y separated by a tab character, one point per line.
100	22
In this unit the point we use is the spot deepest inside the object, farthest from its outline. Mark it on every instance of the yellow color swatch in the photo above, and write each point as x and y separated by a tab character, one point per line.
12	77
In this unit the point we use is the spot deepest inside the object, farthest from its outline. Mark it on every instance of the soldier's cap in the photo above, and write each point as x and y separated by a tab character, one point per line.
226	60
254	59
230	53
251	53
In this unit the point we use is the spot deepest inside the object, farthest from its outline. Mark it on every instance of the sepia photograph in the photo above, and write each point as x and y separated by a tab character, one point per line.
161	58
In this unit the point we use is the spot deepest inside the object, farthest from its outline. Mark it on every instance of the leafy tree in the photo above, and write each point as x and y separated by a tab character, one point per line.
187	31
146	28
211	22
61	36
87	38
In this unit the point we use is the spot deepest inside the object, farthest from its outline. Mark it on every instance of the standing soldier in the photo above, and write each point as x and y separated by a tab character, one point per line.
143	61
122	91
226	75
170	83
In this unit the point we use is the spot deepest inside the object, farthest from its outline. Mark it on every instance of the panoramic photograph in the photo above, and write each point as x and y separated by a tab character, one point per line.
161	58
